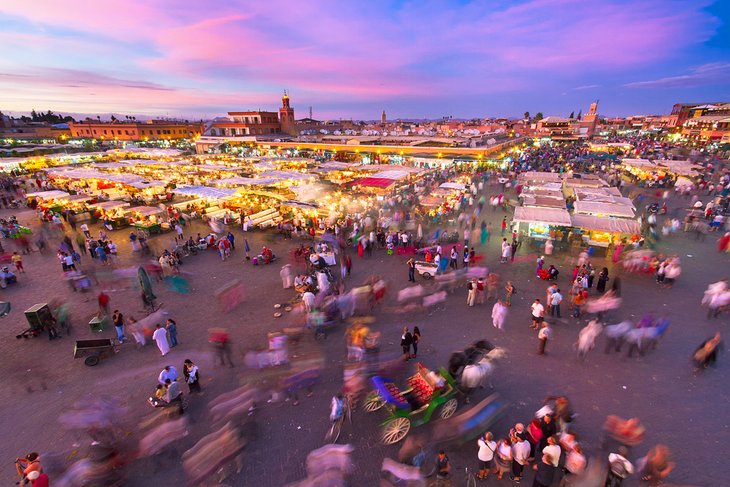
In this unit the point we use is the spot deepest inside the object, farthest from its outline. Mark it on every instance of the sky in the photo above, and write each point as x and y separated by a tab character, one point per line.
354	58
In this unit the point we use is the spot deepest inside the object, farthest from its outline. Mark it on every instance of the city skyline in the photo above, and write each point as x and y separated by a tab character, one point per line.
352	60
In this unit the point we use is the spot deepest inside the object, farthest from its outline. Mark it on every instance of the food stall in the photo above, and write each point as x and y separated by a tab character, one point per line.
112	213
47	200
541	223
601	231
78	206
149	218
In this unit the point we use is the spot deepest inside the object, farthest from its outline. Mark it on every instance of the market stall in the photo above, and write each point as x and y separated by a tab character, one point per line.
541	223
47	200
149	218
112	213
601	231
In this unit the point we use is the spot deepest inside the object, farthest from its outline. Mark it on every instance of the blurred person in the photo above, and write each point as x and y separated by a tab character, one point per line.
38	479
657	465
575	465
416	336
509	289
619	467
538	313
443	467
29	463
706	353
406	340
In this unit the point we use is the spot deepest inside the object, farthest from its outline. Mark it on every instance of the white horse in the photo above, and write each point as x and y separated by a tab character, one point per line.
587	337
478	374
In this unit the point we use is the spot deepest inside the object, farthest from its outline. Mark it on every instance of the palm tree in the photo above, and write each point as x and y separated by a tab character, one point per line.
527	115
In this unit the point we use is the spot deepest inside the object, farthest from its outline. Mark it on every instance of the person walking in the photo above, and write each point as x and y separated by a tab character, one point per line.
544	335
160	338
538	314
118	320
504	225
85	228
485	455
416	336
18	262
499	314
555	299
192	377
411	270
171	326
406	340
443	469
471	296
619	467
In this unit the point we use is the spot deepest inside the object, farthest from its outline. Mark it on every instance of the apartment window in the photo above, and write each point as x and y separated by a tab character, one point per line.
119	132
158	132
126	132
105	132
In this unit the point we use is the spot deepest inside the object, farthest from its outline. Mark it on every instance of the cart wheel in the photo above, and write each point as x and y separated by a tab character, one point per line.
426	275
395	430
373	402
449	408
91	360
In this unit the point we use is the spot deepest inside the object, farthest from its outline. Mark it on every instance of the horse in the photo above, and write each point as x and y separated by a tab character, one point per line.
468	356
476	375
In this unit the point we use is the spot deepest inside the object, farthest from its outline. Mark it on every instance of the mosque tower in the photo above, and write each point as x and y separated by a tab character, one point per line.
286	116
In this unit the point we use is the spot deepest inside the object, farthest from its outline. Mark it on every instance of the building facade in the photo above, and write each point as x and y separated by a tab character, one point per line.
239	124
131	131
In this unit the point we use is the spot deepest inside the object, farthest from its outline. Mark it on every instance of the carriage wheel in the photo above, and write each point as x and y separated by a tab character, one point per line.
449	408
395	431
91	360
373	402
426	275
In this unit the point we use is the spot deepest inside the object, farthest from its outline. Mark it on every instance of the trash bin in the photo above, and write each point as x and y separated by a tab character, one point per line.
97	323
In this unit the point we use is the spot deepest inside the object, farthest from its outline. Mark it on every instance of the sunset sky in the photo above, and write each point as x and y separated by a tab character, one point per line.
414	59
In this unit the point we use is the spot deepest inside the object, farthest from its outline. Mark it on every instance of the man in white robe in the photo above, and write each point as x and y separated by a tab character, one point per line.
160	337
499	314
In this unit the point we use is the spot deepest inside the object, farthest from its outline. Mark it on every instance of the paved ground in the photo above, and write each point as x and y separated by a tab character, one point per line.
687	413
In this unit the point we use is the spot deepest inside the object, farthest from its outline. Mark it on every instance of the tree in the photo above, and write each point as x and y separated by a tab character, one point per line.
114	119
538	116
526	115
580	114
572	115
33	115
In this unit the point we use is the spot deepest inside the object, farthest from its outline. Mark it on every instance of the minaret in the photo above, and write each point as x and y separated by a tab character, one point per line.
286	116
383	119
591	118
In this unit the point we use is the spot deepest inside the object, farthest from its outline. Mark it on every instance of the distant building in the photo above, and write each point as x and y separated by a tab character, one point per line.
383	118
146	130
286	116
244	123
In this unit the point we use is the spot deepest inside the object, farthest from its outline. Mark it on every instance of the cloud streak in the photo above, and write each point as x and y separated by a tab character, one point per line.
705	74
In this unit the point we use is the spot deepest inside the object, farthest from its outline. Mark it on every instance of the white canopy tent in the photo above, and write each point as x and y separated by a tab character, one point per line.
549	216
206	192
456	186
53	194
606	224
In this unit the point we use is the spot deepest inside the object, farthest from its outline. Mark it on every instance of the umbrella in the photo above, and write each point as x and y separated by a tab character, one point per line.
144	281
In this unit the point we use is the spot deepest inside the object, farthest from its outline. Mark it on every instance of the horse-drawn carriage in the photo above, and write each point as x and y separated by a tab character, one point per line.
426	392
